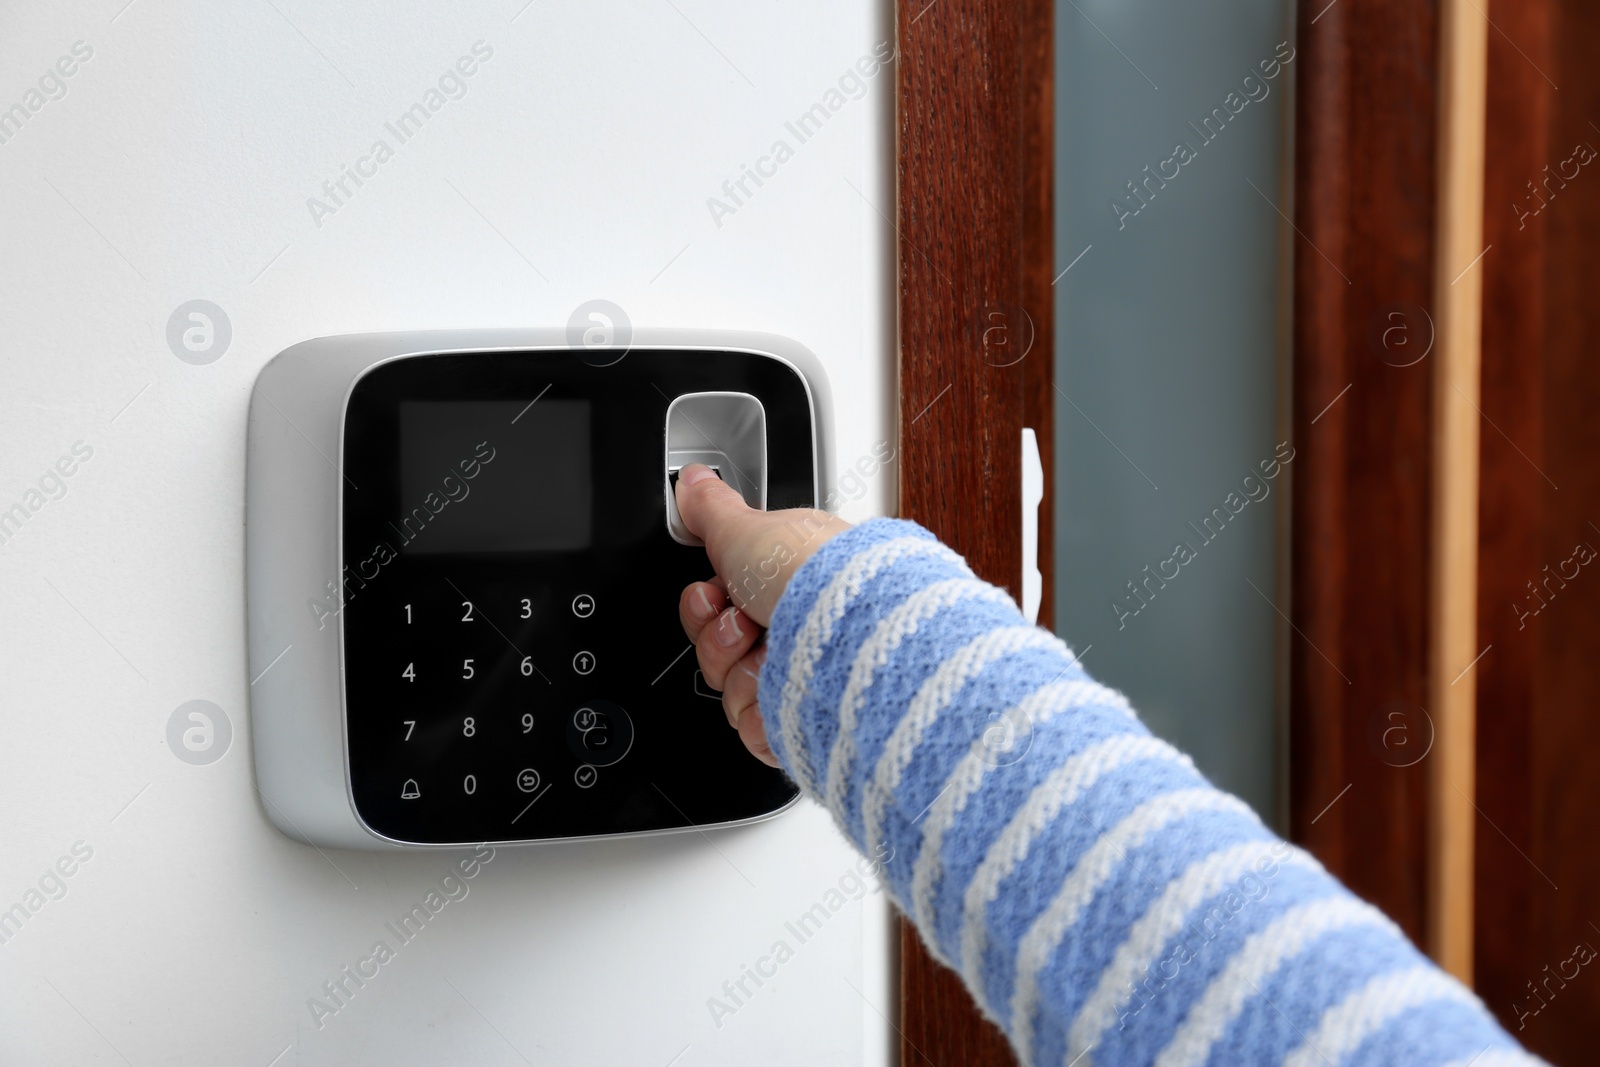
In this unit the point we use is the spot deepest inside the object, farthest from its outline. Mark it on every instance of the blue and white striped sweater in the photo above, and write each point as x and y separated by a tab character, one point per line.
1104	903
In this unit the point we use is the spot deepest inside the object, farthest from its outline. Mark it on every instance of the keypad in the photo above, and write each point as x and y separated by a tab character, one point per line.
491	687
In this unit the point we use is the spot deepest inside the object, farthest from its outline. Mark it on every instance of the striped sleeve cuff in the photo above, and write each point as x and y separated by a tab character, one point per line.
1101	900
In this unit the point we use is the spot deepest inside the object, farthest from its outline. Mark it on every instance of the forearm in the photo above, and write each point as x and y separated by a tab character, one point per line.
1094	891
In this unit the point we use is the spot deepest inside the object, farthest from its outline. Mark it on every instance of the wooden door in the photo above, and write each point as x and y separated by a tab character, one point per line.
1483	848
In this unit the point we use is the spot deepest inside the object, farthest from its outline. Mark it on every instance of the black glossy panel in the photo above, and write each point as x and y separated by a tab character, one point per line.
565	701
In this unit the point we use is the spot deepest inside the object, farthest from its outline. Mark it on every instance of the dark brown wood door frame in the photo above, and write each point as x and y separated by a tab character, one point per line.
1363	424
975	168
1538	867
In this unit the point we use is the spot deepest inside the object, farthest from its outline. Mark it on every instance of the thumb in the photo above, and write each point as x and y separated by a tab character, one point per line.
754	552
712	509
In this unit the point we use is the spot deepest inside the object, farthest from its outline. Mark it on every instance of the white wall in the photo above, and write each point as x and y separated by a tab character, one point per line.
577	165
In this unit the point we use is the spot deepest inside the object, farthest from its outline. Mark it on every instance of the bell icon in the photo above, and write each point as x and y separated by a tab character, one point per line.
409	791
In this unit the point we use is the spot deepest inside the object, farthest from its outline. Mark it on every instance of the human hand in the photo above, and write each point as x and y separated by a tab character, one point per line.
754	554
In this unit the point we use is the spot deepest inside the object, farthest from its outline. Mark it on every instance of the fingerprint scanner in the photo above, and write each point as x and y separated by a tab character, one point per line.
725	431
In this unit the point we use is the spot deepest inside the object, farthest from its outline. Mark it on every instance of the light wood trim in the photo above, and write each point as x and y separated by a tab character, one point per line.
1453	586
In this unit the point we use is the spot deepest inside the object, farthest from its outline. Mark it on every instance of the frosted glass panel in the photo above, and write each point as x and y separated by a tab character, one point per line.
1172	461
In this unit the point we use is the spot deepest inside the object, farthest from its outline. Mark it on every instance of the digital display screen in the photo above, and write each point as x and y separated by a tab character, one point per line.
495	476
